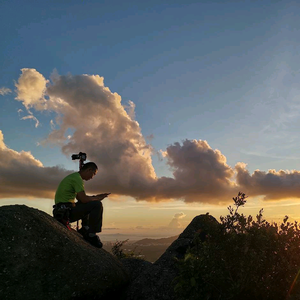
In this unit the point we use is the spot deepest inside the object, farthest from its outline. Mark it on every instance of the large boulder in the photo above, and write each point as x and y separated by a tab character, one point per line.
135	266
200	226
156	281
42	259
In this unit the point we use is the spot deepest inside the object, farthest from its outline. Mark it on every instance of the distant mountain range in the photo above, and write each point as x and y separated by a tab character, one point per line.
161	241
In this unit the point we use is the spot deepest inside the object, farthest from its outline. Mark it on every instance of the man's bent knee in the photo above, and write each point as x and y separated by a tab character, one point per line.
97	205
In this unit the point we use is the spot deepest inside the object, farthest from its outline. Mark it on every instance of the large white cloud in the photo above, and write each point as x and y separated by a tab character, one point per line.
31	88
104	130
107	131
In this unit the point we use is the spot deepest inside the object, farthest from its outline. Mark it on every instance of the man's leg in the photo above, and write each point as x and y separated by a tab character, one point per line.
91	214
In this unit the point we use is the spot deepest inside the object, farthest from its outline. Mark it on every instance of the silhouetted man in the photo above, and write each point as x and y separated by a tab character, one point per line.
89	209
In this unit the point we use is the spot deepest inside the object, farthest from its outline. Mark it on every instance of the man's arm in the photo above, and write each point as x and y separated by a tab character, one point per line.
82	197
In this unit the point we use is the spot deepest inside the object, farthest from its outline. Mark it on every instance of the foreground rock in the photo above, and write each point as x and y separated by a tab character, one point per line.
155	282
42	259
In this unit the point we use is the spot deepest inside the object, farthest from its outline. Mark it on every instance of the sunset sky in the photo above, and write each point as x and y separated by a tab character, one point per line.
180	103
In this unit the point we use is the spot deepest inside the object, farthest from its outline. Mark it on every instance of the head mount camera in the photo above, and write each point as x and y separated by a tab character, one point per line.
81	156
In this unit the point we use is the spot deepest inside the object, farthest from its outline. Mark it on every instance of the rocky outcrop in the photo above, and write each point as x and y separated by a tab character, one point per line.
135	266
42	259
199	227
156	281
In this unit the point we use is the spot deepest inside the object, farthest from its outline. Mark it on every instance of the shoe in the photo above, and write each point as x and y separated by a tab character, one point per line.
82	231
94	240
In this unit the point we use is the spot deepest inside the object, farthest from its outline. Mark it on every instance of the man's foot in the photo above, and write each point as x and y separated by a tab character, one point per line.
94	240
83	231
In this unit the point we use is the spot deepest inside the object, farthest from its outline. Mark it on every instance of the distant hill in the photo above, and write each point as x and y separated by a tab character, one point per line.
161	241
149	249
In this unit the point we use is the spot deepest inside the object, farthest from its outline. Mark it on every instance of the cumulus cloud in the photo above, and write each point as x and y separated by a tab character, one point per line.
106	129
201	174
130	109
4	91
21	175
175	223
272	184
30	89
2	145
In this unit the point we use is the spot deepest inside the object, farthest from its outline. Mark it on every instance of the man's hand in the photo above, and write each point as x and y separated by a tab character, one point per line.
82	197
101	196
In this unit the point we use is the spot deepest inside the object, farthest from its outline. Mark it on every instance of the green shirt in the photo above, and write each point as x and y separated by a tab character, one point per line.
68	188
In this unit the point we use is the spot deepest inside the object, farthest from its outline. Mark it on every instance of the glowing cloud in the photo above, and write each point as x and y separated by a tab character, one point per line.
104	130
30	89
107	131
21	175
175	223
272	184
200	173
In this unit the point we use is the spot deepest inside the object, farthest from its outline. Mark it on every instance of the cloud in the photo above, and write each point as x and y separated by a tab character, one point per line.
102	129
52	125
30	89
4	91
200	173
2	145
272	184
175	223
107	131
21	175
130	109
30	116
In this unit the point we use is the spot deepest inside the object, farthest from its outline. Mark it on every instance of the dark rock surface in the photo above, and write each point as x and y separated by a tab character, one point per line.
200	225
42	259
156	282
135	266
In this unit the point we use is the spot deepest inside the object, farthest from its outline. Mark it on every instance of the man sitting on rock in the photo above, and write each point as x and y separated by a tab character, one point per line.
89	209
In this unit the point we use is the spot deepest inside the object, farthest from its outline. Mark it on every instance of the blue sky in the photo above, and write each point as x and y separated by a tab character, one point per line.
222	71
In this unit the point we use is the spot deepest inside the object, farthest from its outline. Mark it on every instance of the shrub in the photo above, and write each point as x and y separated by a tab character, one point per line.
119	252
245	258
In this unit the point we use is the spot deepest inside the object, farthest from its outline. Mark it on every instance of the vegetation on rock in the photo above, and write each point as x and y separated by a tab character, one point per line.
120	253
243	258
